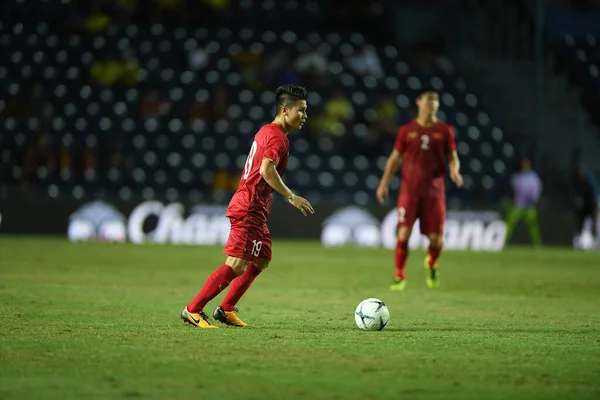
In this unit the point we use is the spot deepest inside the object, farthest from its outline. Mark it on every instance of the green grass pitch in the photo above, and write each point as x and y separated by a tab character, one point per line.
101	321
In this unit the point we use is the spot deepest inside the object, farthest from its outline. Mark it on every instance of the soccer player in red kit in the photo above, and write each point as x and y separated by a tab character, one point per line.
422	146
248	247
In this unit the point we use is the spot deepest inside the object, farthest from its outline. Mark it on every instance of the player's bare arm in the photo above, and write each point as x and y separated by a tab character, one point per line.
391	167
454	166
271	176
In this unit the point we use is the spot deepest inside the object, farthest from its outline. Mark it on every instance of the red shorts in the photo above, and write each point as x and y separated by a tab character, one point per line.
430	210
247	241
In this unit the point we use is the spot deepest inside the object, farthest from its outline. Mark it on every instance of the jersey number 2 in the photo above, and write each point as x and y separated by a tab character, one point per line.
249	160
424	142
402	214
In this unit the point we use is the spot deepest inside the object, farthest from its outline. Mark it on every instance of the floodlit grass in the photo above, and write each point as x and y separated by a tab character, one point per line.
102	321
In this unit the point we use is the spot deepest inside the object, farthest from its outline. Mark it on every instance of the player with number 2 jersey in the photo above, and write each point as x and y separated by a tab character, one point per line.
248	247
423	146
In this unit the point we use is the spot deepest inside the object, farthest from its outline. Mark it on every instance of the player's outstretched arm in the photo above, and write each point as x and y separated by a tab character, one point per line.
391	167
272	177
454	166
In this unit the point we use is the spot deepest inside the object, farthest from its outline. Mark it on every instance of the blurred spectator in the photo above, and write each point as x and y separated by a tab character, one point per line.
249	63
312	62
366	62
225	183
337	113
313	65
40	155
276	63
97	20
384	129
276	60
152	105
220	186
526	187
108	71
387	115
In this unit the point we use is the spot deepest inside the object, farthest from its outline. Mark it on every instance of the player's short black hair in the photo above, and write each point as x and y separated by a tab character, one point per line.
287	95
425	90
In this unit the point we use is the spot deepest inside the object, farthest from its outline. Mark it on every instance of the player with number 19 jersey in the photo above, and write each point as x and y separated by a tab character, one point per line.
251	203
248	246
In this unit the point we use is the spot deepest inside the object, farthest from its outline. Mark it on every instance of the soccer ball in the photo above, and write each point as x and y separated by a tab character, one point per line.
372	315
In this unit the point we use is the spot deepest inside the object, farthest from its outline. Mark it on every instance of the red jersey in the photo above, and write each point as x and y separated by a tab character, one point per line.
253	196
425	151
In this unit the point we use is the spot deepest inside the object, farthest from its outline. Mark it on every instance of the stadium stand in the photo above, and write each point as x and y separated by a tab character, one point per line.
156	110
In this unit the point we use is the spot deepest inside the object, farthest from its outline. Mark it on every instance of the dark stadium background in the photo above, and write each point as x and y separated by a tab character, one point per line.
131	101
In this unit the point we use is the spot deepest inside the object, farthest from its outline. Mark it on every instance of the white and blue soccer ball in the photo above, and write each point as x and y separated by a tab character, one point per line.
372	315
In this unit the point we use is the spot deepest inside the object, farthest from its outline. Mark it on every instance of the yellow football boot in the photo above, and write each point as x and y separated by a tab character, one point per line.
399	285
433	274
228	317
197	319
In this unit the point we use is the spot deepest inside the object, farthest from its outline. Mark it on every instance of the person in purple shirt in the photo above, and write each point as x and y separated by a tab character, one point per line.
526	188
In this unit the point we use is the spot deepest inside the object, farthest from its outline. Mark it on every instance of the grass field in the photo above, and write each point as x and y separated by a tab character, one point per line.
102	321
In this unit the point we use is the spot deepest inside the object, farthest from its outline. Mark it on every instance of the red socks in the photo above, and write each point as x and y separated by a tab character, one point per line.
401	255
239	287
434	254
215	283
